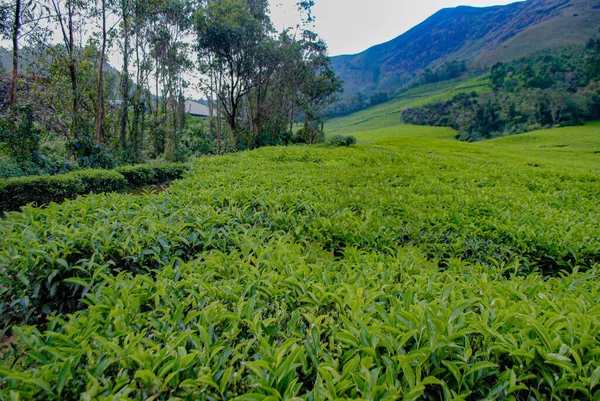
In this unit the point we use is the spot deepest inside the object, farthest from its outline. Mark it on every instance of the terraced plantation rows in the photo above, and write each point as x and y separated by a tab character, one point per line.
409	268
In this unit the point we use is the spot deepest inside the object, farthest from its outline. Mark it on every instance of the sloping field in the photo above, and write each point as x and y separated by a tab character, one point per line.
386	115
410	267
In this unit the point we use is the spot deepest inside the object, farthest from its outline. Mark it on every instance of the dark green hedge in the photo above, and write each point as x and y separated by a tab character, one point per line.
43	189
149	174
339	140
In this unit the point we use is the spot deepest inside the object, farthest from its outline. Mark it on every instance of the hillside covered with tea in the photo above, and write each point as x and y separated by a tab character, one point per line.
413	267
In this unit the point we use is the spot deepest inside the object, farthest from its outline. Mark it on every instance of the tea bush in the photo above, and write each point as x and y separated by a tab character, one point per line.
415	269
41	190
282	320
148	174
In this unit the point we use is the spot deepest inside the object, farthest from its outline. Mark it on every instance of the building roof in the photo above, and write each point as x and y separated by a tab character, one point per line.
196	109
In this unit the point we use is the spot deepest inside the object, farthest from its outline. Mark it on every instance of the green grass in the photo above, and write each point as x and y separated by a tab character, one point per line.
386	115
577	148
412	266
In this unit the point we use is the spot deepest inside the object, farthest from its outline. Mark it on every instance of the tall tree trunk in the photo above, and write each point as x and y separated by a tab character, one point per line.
137	109
156	94
15	60
233	117
305	133
292	120
218	125
73	73
100	103
211	113
257	117
125	74
181	108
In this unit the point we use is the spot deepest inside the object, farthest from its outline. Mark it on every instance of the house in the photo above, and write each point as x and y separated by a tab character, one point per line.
196	109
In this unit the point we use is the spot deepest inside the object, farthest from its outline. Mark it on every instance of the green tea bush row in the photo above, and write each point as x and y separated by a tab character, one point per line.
20	191
149	174
277	320
43	189
366	272
375	200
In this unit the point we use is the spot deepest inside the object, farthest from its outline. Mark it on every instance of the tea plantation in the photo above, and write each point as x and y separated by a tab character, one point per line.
411	266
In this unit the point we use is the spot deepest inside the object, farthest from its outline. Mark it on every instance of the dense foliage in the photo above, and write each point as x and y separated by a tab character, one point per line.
257	80
416	269
43	189
528	94
341	140
356	103
450	70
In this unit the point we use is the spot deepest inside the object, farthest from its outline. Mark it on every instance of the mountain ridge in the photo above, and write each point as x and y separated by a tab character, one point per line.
480	36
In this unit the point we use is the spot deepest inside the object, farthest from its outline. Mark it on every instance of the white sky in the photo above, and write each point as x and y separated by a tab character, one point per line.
351	26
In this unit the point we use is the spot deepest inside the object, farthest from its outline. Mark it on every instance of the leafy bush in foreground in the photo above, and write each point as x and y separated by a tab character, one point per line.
363	272
274	319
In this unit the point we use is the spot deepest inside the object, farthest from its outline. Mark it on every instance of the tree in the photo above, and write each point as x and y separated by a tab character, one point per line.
124	10
593	60
19	19
497	76
320	86
231	32
260	80
15	39
100	99
66	13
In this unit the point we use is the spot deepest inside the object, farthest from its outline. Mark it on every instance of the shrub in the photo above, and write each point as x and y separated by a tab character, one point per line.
21	133
91	155
43	189
340	140
195	140
37	165
299	137
148	174
9	169
52	165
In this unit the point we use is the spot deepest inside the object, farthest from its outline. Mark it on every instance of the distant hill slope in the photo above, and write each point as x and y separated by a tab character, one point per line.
482	36
384	118
25	62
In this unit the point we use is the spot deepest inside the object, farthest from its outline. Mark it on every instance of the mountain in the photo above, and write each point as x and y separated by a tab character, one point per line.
26	64
479	36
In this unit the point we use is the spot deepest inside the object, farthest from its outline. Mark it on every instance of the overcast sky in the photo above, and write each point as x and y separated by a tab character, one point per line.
351	26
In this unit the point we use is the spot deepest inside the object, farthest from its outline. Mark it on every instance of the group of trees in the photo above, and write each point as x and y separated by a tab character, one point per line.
264	81
360	101
258	81
527	94
449	70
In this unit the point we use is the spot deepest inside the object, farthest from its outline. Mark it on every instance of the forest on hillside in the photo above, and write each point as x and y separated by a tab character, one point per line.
62	107
360	101
527	94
